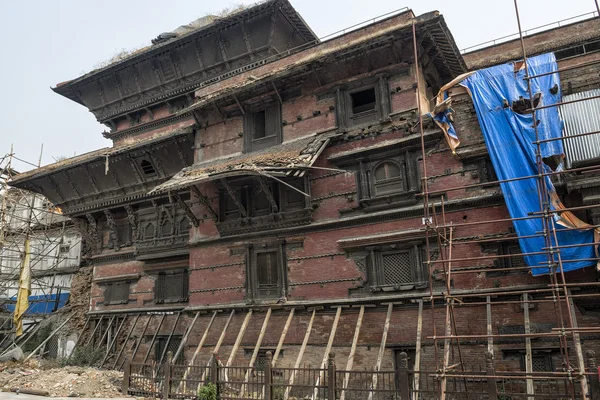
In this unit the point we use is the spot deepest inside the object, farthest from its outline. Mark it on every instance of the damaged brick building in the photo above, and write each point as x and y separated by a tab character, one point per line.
265	192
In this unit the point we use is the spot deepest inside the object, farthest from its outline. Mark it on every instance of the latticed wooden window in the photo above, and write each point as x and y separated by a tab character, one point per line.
116	293
171	287
397	268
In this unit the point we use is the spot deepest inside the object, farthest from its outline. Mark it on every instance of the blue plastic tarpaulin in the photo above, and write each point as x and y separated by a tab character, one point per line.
510	139
43	304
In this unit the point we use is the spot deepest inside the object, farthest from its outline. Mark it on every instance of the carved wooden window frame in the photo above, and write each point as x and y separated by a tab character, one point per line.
253	290
272	117
346	118
376	269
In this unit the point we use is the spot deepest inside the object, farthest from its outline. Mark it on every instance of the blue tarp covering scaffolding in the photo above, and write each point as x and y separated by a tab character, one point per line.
43	304
510	139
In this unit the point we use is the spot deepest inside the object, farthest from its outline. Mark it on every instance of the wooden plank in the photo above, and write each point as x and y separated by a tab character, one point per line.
112	342
286	395
110	322
165	350
528	354
282	337
261	335
139	342
162	319
197	351
87	321
417	367
94	331
490	340
126	340
583	379
321	376
350	362
447	345
386	328
219	343
238	340
185	338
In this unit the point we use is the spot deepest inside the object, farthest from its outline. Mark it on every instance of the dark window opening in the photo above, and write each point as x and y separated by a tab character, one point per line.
363	101
259	125
116	293
262	129
147	168
258	201
171	287
161	348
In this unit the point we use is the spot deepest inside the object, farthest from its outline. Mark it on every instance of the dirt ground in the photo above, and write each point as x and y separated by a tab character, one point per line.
63	381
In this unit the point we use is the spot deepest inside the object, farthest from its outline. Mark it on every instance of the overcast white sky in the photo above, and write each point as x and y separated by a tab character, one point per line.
46	42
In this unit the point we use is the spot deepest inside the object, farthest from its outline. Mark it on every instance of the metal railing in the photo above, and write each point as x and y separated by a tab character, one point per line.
273	383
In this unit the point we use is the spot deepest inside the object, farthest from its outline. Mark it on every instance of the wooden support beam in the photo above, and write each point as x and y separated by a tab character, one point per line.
265	188
156	163
219	343
247	41
72	184
205	202
165	350
350	362
113	341
223	50
112	227
126	340
239	105
583	379
321	376
136	173
197	351
56	189
231	194
314	71
94	331
386	328
417	366
139	341
219	111
239	338
188	211
110	322
261	335
288	388
90	178
282	337
277	92
528	353
185	338
488	310
156	331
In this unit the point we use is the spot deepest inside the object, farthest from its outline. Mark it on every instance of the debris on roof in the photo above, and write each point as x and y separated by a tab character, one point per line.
286	159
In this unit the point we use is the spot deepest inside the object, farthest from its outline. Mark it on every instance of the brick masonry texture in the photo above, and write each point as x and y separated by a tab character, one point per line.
319	269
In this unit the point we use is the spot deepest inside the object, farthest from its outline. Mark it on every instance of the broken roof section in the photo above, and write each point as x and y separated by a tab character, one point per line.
287	159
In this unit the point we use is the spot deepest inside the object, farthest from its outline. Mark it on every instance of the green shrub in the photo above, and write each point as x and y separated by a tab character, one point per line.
208	392
84	356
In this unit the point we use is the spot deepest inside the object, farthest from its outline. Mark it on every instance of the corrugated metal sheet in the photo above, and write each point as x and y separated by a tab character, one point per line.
581	117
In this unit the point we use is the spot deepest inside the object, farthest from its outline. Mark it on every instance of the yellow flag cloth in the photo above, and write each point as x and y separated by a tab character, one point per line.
24	291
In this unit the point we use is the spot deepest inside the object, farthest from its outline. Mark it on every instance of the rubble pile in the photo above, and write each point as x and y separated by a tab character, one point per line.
61	382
